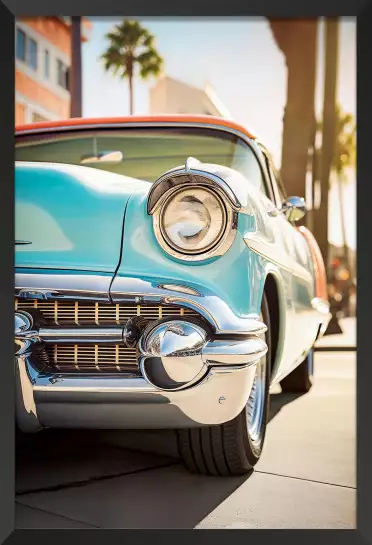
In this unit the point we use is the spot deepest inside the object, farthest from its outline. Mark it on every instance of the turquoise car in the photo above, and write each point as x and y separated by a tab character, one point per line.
160	282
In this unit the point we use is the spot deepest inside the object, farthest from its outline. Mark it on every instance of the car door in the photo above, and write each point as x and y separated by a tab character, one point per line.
300	260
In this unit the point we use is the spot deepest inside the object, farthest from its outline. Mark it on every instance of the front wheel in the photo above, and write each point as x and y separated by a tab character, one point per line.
233	448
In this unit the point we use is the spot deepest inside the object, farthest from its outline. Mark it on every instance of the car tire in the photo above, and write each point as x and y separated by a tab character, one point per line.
233	448
300	380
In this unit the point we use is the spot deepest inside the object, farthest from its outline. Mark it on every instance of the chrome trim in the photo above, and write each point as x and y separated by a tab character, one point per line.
320	305
323	308
82	335
69	286
24	336
220	245
37	294
245	352
294	208
255	408
180	288
169	182
191	163
71	313
175	354
270	251
122	403
209	305
25	407
171	354
141	291
22	322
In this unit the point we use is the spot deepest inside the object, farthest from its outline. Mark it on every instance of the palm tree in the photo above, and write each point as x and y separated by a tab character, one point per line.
132	46
297	40
76	75
343	159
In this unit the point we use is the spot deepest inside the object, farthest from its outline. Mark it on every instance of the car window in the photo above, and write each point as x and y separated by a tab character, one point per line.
146	153
278	193
275	176
279	197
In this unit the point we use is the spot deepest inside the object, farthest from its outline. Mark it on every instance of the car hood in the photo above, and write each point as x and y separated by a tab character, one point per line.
70	217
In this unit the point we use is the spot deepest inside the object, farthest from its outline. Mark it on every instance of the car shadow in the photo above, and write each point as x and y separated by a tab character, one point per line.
136	475
81	477
280	400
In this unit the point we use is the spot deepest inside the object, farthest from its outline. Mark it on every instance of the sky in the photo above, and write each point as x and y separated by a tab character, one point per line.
241	61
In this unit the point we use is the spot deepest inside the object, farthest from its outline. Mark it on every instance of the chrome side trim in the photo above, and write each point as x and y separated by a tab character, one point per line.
121	403
270	251
141	291
180	288
246	352
209	305
69	286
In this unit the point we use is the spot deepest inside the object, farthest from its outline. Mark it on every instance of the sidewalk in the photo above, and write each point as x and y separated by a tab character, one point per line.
344	341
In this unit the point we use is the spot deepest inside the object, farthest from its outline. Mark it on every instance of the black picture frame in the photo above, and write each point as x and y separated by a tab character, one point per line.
9	10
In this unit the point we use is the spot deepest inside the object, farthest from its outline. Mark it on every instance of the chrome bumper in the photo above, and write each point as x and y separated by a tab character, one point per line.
215	395
114	402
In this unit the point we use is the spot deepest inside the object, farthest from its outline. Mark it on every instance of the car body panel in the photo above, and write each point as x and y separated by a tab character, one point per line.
72	216
102	244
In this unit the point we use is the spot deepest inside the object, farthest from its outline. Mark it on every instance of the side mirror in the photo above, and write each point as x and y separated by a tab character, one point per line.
294	208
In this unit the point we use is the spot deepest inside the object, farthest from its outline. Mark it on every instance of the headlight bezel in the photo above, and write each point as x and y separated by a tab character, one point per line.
218	247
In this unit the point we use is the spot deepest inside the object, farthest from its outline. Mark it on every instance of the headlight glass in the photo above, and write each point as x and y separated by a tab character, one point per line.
193	220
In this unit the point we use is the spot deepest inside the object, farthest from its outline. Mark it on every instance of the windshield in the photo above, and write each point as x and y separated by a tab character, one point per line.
141	153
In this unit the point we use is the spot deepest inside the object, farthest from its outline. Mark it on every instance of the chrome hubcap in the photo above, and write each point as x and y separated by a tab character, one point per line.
256	403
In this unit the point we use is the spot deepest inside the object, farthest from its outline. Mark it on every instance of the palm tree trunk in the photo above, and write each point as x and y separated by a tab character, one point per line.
297	40
340	184
76	75
131	95
329	134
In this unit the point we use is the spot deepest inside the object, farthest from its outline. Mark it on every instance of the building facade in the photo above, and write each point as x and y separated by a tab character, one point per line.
170	96
43	59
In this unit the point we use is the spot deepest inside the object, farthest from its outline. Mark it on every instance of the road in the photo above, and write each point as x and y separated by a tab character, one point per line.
306	477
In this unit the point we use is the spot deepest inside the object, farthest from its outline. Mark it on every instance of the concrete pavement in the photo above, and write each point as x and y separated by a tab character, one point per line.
306	477
344	340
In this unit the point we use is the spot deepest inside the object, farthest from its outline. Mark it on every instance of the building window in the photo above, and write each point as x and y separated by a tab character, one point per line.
46	64
63	75
26	49
32	53
21	45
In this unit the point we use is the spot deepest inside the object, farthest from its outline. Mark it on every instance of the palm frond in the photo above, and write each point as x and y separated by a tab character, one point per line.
130	46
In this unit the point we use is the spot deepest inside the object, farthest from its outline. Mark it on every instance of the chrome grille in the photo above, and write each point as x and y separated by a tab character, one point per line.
92	358
91	313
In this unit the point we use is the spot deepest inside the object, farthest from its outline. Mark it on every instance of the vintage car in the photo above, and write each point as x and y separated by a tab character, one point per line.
160	283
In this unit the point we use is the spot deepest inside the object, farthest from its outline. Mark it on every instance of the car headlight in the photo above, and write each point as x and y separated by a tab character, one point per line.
193	223
193	220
